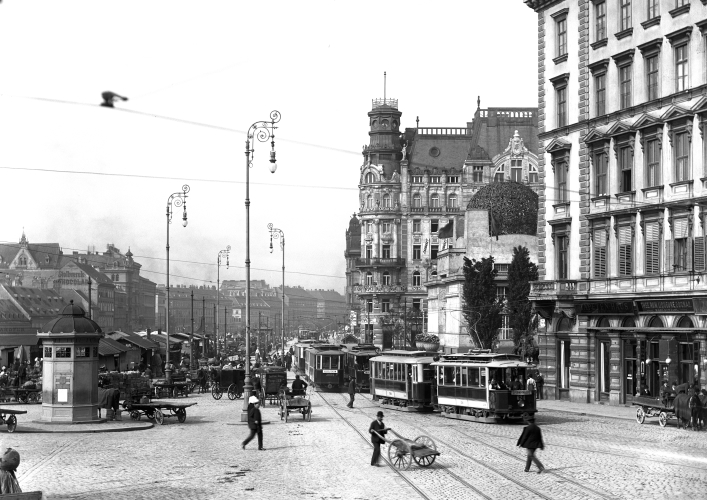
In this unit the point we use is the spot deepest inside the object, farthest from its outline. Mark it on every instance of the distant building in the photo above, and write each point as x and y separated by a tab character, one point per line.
30	256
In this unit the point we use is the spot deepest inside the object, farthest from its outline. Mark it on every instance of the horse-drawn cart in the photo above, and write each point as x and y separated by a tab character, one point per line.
155	411
229	381
653	407
273	381
289	403
401	451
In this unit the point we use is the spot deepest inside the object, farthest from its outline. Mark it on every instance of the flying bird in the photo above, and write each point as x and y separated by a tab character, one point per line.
110	97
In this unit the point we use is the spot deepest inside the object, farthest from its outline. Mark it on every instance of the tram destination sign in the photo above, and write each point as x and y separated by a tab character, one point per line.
655	306
614	307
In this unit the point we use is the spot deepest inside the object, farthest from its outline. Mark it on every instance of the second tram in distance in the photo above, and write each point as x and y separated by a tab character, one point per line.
403	380
356	364
324	367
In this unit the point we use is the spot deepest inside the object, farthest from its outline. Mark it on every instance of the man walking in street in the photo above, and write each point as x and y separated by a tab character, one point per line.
378	427
255	423
352	392
531	439
539	381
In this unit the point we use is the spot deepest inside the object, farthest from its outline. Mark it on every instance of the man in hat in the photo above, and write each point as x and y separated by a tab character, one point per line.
255	423
299	387
377	427
531	439
352	392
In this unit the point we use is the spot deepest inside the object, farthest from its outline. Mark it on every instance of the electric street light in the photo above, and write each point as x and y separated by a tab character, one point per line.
221	254
279	234
178	199
263	131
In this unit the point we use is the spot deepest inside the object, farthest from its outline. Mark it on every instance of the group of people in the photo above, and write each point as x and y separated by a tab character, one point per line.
21	373
667	394
534	383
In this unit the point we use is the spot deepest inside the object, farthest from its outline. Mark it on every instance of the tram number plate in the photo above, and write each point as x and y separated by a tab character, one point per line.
367	372
521	393
330	371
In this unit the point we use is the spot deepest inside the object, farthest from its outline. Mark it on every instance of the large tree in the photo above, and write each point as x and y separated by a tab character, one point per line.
520	273
404	324
482	310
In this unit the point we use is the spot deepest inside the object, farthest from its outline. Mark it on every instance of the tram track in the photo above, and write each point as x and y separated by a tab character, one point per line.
497	449
398	472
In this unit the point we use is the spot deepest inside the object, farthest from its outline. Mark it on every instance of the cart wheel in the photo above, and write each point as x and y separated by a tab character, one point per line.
22	398
159	416
11	423
663	419
150	414
429	459
216	392
399	455
181	415
232	394
640	415
135	415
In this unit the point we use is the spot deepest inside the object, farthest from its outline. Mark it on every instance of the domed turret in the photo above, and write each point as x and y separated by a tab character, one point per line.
72	320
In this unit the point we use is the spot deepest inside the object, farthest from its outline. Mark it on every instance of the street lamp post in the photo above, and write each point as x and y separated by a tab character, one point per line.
178	199
221	254
279	234
191	337
263	130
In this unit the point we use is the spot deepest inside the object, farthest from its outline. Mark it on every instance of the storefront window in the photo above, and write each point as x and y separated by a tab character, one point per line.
605	366
565	364
47	352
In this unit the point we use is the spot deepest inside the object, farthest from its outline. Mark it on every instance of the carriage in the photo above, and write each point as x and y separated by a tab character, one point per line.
273	379
402	451
289	403
229	381
653	407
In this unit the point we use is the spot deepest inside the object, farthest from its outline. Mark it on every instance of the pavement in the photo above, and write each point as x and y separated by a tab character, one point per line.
591	451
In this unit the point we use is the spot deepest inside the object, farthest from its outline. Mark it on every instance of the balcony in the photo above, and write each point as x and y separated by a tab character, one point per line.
558	287
379	289
380	262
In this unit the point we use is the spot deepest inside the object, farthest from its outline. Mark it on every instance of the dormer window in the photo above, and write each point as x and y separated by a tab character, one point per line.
435	179
417	179
370	178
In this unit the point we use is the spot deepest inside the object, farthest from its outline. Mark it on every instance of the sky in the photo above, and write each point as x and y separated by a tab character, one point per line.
197	75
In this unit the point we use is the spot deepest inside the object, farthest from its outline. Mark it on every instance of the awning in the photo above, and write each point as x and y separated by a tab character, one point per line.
18	339
110	347
133	339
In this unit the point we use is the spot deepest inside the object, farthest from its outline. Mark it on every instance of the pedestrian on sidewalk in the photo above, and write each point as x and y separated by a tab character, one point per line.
377	426
531	439
352	392
255	423
539	381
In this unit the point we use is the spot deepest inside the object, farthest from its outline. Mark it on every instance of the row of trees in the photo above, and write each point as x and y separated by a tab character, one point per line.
483	309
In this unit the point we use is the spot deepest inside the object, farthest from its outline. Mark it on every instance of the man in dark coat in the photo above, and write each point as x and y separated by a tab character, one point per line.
299	386
531	439
255	423
22	373
377	426
352	392
539	381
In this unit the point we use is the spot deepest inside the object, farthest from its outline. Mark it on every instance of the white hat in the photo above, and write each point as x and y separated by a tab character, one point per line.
253	399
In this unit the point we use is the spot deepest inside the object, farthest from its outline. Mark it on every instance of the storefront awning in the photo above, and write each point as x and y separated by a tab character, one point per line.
18	339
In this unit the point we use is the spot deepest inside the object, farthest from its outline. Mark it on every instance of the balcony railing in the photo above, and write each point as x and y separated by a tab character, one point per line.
380	261
558	287
377	103
379	288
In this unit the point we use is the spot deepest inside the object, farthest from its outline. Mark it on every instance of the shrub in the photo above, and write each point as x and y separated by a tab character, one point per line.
514	207
427	337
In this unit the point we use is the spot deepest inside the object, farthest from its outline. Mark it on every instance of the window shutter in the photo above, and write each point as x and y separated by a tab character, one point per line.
625	254
600	253
652	248
680	228
668	256
699	253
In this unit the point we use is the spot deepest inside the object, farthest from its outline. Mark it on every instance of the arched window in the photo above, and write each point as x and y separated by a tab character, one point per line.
370	178
629	322
434	200
685	322
369	201
656	322
416	280
386	278
603	323
416	200
532	174
452	201
498	176
564	325
369	278
386	201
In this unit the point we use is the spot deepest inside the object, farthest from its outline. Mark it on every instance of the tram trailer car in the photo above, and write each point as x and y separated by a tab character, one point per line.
356	364
324	367
403	380
463	391
298	356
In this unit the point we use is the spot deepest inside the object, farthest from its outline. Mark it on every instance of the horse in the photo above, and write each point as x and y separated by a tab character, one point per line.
695	405
688	409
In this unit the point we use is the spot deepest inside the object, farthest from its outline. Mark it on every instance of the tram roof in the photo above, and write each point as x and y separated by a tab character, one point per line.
403	356
488	358
361	348
323	351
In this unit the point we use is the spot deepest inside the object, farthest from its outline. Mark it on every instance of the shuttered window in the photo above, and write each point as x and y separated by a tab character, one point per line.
699	253
625	251
600	253
681	247
652	247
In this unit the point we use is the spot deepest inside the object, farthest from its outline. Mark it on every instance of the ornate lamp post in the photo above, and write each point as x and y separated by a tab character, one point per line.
221	255
263	130
178	199
279	234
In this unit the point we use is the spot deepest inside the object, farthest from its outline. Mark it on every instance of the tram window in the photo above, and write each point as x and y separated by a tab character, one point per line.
482	382
440	376
409	370
473	377
427	374
465	377
319	363
448	375
414	373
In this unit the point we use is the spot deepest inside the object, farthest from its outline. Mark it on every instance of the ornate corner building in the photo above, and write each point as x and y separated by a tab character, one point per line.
622	91
412	183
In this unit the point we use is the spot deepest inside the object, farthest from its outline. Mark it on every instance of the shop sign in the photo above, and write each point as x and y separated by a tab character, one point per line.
614	307
656	306
700	305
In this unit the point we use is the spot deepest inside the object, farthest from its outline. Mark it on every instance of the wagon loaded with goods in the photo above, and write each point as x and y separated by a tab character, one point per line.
402	451
653	407
273	380
294	403
157	411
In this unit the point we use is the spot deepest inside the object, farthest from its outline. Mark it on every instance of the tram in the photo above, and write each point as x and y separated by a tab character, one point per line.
463	383
298	355
324	367
356	363
403	380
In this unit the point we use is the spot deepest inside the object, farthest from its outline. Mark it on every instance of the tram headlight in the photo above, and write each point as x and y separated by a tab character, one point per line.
521	403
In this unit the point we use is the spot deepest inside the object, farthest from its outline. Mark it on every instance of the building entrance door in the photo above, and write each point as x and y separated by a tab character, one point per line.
631	379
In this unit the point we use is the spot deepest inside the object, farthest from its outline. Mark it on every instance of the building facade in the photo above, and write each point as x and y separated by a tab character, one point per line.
622	91
412	184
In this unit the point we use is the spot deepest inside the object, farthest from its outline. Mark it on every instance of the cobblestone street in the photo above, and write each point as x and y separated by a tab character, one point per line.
587	456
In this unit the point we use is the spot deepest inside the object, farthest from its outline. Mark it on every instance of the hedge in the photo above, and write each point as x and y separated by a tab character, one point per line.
514	206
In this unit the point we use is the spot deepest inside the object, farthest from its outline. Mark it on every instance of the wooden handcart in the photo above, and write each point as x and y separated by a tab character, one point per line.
401	451
289	403
7	417
653	407
230	382
156	411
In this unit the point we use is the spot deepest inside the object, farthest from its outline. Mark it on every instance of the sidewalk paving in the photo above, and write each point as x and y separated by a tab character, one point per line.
594	409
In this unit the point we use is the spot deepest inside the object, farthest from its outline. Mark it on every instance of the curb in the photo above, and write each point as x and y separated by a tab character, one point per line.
78	429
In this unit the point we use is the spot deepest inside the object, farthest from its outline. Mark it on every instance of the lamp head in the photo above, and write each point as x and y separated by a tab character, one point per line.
649	361
273	162
184	217
668	360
